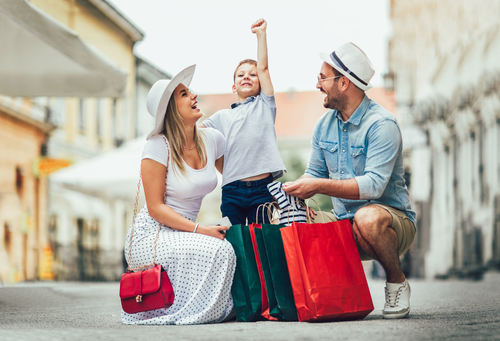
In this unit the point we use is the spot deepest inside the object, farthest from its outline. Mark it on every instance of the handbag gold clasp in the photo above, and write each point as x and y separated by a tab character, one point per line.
138	298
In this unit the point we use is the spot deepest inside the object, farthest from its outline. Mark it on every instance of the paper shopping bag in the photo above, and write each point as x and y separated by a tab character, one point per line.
277	274
246	289
267	290
326	274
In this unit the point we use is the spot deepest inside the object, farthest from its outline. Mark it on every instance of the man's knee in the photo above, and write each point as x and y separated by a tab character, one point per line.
371	220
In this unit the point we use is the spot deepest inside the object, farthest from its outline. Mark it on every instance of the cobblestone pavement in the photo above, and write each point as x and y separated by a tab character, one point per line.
451	309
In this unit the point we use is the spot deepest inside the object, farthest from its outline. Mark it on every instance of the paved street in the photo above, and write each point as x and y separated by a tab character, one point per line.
458	310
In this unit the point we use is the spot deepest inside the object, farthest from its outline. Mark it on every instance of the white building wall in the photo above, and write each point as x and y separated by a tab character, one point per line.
444	55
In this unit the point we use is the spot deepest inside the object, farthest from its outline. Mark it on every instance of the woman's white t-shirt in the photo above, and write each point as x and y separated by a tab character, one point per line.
185	191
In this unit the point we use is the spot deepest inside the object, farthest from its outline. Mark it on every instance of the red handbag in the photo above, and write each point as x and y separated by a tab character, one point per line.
148	289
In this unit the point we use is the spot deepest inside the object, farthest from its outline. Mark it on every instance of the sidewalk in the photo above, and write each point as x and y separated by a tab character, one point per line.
458	310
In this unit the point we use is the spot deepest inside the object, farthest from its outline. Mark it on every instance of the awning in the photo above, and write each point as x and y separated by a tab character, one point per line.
113	174
41	57
77	204
110	175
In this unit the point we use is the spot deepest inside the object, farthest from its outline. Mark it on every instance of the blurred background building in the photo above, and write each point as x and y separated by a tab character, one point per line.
444	67
71	144
57	229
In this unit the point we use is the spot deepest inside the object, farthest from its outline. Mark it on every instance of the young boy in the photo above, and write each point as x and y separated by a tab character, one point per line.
251	157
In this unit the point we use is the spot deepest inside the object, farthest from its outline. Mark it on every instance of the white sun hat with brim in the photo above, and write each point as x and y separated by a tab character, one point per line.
160	93
352	62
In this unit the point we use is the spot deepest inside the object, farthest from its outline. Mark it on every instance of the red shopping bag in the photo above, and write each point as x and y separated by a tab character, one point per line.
326	274
265	300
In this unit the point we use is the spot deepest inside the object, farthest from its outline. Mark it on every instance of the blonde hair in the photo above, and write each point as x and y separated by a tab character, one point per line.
174	132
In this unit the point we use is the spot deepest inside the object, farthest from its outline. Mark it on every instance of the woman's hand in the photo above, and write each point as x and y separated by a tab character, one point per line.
215	231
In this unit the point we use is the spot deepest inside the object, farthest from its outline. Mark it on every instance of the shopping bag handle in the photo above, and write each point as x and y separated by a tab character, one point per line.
317	206
264	206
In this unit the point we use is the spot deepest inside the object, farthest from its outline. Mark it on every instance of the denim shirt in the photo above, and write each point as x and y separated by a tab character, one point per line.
368	148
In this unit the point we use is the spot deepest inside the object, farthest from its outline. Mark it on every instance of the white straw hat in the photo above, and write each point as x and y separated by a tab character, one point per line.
352	62
160	93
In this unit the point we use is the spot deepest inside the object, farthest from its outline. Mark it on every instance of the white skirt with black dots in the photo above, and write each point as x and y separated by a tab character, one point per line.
200	268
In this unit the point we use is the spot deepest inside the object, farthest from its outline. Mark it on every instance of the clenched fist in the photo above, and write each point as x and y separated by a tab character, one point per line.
259	26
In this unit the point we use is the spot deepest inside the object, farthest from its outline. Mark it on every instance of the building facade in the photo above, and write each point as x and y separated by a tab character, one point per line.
23	192
78	222
56	231
443	61
88	222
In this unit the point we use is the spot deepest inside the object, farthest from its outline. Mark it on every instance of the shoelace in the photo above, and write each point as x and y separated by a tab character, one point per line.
392	297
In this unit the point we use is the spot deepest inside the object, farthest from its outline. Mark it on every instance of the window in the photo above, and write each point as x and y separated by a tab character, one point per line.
483	183
7	236
114	130
81	115
115	125
19	181
98	119
58	111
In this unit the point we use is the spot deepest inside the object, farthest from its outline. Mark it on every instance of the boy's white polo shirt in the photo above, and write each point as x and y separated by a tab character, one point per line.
251	145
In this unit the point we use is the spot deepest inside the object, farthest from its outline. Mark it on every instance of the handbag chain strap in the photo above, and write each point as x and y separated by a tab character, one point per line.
135	214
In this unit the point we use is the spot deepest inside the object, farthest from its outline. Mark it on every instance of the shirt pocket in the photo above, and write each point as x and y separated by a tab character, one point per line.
331	155
358	157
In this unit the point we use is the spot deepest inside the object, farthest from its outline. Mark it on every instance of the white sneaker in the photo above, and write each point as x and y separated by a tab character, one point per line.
397	300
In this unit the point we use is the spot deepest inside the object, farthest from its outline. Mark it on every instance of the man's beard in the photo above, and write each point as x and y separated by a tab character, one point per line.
337	103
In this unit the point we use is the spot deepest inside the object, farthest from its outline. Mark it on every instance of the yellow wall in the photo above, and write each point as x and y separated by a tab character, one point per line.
98	31
24	211
21	141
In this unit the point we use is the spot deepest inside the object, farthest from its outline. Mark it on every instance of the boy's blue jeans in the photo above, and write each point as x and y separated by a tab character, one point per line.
240	200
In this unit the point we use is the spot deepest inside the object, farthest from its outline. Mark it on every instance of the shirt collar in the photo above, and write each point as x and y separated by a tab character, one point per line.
358	114
247	100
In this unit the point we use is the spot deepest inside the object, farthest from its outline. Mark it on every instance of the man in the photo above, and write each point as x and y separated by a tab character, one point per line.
357	160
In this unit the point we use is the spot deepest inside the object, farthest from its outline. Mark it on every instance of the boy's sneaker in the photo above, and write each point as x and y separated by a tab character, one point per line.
397	300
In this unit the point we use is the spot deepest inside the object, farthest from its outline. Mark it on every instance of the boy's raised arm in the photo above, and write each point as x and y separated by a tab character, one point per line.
259	28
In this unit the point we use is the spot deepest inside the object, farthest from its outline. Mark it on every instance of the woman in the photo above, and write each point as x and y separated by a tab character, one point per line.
178	170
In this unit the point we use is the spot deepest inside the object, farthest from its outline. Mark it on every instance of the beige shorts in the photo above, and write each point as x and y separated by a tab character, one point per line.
402	225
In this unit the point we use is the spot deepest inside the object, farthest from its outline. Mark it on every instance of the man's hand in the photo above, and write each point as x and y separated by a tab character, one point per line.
303	188
259	26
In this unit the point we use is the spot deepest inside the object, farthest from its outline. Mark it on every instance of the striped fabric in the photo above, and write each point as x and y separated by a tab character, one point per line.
291	208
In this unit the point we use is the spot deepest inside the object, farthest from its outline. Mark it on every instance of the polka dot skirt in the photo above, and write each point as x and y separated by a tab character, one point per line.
200	268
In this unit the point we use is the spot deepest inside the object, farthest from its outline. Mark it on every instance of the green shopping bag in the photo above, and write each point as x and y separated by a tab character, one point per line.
262	266
277	274
264	261
246	289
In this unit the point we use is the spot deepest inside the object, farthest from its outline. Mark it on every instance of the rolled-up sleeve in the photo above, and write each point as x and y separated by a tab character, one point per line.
383	148
317	166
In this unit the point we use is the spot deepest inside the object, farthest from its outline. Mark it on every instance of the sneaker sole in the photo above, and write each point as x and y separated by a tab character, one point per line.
396	315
